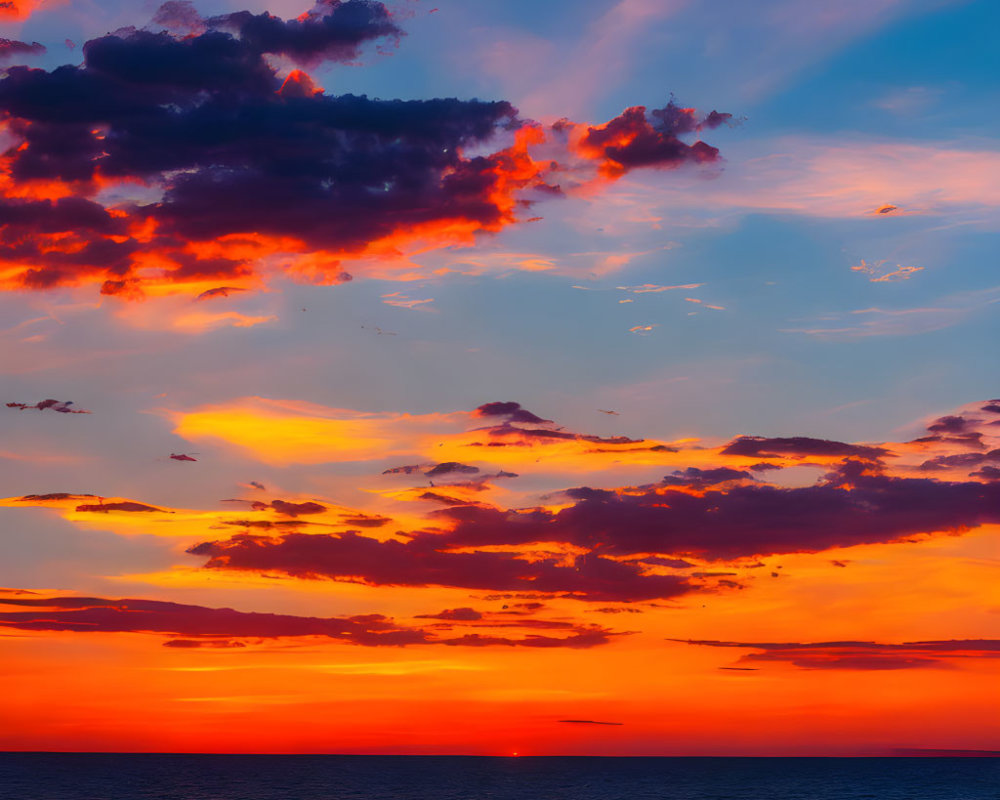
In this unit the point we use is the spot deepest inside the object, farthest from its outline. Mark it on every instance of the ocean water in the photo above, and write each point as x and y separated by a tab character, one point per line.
49	776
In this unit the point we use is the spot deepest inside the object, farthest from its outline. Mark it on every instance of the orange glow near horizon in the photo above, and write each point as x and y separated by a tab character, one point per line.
494	669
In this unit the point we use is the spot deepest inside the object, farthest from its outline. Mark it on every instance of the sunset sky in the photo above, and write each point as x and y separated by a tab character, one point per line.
611	377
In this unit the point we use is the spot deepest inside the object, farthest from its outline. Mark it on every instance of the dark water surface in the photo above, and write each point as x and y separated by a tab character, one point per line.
69	776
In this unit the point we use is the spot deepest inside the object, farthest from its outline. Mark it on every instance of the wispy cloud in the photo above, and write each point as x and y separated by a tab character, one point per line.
866	322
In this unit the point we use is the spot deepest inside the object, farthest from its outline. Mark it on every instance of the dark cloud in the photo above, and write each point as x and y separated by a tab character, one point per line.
125	505
851	655
201	117
11	48
409	469
695	476
852	505
240	163
971	439
210	643
198	626
286	524
988	473
154	616
62	406
450	468
333	30
454	614
516	436
765	447
949	424
366	520
510	410
675	563
582	640
219	291
634	139
29	498
715	119
993	406
960	460
420	562
437	497
289	509
587	722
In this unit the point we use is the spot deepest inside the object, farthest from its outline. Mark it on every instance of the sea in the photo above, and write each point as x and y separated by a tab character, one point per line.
106	776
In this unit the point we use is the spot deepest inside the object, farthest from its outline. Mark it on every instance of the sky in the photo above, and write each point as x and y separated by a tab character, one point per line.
607	377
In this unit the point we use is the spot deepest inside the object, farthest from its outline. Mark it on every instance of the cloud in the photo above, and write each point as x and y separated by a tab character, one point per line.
862	655
290	509
716	518
451	468
11	48
960	460
62	406
332	30
420	562
694	476
866	322
126	505
401	300
225	171
224	627
587	722
647	288
854	504
582	640
408	469
797	446
210	643
286	432
93	614
180	16
614	541
219	291
988	473
878	272
454	614
511	411
636	138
